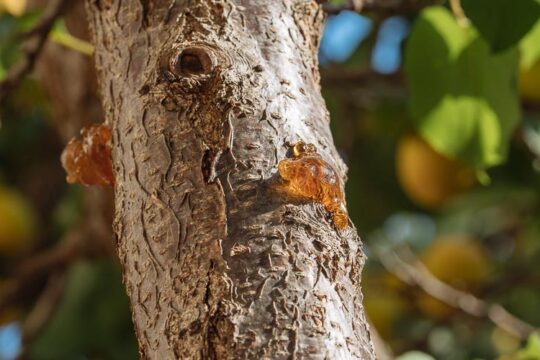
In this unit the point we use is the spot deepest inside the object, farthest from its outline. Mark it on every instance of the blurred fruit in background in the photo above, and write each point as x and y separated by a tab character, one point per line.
427	177
504	342
457	260
529	83
384	304
13	7
17	223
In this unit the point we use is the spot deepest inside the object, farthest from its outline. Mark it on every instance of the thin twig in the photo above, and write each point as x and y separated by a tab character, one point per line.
413	272
351	5
32	46
86	240
382	7
360	76
38	267
458	12
44	307
73	43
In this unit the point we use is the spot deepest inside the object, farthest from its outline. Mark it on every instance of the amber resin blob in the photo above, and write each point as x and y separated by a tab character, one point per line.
87	160
308	176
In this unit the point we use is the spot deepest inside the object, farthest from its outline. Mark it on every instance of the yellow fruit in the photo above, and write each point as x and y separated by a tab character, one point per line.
17	223
393	283
458	261
529	83
383	303
384	308
427	177
13	7
504	342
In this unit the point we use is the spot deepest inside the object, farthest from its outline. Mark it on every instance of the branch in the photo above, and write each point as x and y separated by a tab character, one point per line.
35	269
362	87
15	288
45	307
360	77
36	38
459	14
414	273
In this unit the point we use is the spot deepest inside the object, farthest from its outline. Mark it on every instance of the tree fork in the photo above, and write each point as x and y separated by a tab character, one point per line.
203	97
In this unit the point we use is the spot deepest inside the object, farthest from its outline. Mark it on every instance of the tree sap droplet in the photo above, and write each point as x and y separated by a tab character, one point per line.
87	160
308	176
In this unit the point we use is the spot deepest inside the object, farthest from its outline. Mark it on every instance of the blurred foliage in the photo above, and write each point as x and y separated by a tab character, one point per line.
471	110
10	32
498	25
465	114
93	318
529	47
531	351
443	156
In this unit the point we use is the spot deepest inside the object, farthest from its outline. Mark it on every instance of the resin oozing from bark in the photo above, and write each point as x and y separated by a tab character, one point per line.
87	160
308	176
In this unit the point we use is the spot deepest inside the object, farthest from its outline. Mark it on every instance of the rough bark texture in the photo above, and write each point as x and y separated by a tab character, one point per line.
202	97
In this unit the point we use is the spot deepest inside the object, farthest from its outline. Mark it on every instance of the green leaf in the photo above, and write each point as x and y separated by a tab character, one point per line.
532	350
60	35
502	23
463	99
11	29
2	71
530	47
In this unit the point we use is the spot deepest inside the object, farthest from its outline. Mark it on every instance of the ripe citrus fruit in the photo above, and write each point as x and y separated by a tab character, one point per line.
457	260
17	223
427	177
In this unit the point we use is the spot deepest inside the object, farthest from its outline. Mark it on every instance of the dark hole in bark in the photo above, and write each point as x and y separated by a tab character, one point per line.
191	63
103	4
169	104
318	245
167	75
195	327
206	165
144	90
194	61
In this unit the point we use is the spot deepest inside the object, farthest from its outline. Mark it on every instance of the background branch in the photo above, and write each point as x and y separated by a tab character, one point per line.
78	242
35	39
380	7
45	306
410	270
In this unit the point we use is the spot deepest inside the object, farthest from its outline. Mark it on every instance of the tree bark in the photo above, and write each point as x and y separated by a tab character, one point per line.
203	97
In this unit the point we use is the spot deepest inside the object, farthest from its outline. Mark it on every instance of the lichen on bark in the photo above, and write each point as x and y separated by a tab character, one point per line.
203	97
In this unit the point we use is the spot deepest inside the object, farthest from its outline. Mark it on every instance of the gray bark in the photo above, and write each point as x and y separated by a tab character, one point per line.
202	97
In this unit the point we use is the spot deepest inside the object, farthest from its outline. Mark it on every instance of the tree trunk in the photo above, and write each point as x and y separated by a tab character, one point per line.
203	97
